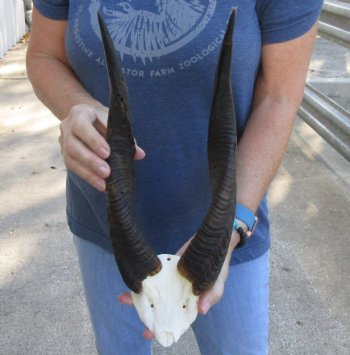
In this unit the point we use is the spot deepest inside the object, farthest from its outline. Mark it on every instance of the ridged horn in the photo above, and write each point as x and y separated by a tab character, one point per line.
135	258
203	259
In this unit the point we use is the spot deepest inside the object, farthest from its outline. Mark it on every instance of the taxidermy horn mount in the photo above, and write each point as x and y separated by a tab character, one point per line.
165	288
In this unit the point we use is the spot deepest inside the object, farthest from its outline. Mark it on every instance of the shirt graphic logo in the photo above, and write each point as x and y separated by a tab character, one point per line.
152	31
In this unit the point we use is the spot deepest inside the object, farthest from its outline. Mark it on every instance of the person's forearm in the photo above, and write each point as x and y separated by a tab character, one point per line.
55	84
278	93
261	149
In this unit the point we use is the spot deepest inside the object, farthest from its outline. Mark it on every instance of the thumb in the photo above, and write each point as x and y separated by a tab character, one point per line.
139	153
211	297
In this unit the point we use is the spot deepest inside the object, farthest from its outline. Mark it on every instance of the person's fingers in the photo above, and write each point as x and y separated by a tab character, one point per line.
101	126
81	126
85	163
211	297
147	334
75	150
87	174
125	298
83	144
83	147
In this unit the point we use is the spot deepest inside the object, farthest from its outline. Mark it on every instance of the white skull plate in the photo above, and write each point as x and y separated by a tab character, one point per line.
166	304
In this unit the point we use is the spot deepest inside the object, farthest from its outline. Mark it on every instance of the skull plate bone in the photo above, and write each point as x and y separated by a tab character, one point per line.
166	304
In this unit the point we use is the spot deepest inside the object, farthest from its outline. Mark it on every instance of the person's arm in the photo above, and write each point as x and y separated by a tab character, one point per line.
83	118
278	93
48	69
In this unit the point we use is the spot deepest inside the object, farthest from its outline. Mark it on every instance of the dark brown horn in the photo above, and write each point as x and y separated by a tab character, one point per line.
135	259
203	259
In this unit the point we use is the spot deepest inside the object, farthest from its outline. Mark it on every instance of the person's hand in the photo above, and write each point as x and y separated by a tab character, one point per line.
83	144
213	296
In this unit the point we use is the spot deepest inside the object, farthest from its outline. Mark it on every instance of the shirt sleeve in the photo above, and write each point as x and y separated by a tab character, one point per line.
53	9
283	20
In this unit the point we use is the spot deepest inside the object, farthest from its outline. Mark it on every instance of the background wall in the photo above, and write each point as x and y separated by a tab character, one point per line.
12	24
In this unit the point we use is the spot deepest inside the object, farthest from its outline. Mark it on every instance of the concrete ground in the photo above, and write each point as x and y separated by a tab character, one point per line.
42	308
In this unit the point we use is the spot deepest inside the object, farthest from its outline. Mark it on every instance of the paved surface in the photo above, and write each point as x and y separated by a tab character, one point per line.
41	302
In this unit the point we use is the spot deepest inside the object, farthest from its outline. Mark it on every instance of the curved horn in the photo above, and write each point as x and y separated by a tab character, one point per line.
135	259
203	259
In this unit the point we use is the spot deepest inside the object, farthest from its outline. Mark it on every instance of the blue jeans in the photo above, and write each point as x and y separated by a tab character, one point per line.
238	324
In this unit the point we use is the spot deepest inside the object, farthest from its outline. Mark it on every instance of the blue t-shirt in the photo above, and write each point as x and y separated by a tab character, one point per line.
169	51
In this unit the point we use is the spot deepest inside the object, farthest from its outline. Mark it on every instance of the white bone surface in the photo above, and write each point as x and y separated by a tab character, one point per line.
166	304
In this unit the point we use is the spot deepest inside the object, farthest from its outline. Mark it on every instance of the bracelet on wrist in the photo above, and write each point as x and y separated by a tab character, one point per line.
242	234
245	215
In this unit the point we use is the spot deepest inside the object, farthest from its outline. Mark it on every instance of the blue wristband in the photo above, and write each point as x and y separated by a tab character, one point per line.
245	215
243	236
